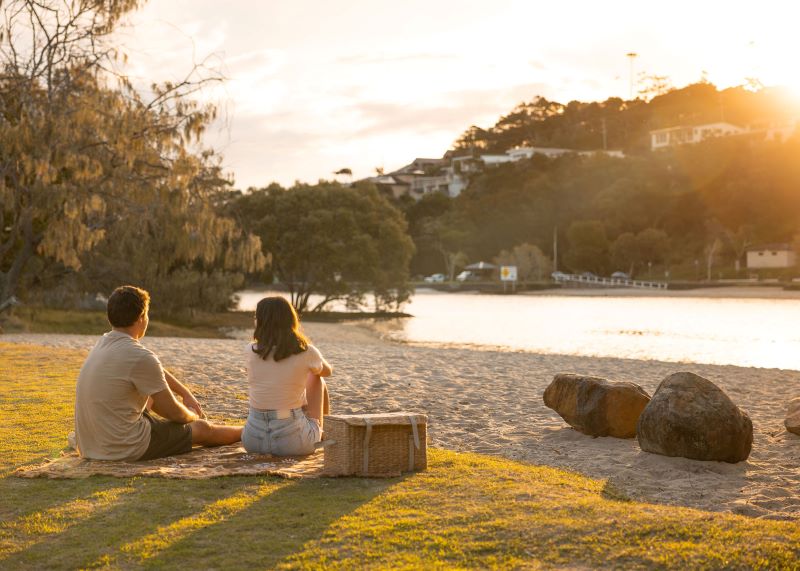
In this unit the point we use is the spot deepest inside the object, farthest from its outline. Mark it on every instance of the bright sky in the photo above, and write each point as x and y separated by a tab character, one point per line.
319	85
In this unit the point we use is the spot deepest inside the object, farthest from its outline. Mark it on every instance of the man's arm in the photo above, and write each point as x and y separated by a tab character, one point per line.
165	404
188	398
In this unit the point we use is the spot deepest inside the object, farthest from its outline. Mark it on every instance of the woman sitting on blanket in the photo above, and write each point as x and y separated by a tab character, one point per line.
287	394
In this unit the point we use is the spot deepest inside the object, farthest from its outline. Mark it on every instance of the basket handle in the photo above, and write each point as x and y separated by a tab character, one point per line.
414	430
367	436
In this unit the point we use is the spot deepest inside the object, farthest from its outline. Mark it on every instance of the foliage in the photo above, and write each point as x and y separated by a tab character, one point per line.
337	241
531	263
90	172
34	319
588	246
668	208
630	252
466	511
619	124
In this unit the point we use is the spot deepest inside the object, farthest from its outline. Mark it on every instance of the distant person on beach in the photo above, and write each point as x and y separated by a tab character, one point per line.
288	397
121	379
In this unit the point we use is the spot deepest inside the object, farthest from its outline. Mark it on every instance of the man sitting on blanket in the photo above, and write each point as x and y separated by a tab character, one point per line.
121	379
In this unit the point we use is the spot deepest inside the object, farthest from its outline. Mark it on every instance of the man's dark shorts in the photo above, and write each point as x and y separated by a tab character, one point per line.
167	438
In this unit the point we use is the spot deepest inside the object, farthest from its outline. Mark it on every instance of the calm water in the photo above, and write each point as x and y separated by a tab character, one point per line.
745	332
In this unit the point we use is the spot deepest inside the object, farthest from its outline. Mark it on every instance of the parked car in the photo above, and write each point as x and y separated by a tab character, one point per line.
558	276
466	275
435	279
588	275
620	276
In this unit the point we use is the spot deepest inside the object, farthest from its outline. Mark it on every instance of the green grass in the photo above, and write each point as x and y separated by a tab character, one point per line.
466	511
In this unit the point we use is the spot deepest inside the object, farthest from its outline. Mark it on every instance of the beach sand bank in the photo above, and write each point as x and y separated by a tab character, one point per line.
491	402
731	292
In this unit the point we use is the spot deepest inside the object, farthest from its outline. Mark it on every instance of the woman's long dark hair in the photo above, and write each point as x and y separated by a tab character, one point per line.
277	330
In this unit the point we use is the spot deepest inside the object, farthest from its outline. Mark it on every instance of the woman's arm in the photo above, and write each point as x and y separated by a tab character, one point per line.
327	370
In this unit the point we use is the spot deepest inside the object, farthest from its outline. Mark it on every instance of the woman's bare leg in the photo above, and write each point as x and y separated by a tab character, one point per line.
318	402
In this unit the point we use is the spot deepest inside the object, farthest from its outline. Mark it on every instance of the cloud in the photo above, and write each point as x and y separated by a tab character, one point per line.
379	59
292	142
460	110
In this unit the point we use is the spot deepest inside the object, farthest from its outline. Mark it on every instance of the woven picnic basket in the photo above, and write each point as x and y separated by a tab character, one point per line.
377	445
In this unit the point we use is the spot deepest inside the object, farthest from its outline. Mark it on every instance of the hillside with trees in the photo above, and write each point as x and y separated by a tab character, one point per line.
619	124
686	212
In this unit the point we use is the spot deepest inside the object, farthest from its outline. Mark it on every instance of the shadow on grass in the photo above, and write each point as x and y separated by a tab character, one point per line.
94	535
23	497
218	523
276	526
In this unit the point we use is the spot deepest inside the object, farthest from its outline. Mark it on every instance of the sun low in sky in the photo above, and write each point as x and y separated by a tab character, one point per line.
316	86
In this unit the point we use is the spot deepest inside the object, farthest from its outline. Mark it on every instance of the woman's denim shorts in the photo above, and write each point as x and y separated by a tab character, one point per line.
265	433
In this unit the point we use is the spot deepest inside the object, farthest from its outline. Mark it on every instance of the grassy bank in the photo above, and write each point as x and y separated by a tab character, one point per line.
466	511
45	320
210	325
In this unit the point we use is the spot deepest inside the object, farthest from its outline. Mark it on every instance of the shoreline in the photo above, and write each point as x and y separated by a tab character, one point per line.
491	402
754	291
715	292
725	292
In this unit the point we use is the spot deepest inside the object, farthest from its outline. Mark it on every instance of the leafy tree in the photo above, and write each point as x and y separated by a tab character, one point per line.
653	245
588	246
87	166
328	239
531	263
422	217
447	235
625	253
629	251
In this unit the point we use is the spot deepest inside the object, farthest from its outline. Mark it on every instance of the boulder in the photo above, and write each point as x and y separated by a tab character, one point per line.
690	416
792	421
596	406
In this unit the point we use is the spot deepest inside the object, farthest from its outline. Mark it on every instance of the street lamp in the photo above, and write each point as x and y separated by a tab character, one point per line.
631	56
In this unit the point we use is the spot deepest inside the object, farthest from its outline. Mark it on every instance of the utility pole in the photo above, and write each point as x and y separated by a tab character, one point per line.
605	137
631	56
555	248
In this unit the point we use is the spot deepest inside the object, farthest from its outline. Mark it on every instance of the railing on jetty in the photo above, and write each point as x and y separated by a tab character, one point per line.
607	282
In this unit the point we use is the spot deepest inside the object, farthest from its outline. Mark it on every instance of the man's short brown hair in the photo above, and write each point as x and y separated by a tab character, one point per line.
126	305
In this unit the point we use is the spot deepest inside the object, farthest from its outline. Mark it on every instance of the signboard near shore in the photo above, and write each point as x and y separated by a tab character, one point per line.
508	273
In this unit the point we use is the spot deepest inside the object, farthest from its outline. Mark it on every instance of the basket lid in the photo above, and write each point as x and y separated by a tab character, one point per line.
380	418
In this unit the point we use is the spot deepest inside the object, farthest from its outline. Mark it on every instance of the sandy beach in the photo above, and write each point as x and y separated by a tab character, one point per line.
491	402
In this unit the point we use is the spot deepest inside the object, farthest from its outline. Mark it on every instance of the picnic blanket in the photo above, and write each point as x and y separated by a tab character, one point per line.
199	464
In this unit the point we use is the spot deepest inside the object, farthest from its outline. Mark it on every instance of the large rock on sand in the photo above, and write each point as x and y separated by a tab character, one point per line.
595	406
690	416
792	421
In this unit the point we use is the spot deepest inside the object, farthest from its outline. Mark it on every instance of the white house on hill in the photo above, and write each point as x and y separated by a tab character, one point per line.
661	138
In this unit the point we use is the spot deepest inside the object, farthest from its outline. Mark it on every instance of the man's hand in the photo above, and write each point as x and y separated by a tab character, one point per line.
191	403
183	393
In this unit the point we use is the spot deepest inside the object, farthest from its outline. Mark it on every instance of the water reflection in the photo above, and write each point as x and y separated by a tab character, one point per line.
745	332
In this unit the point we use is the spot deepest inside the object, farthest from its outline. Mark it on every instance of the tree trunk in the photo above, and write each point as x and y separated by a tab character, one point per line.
13	276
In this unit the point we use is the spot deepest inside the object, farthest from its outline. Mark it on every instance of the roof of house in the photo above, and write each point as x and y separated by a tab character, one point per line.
763	247
677	127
